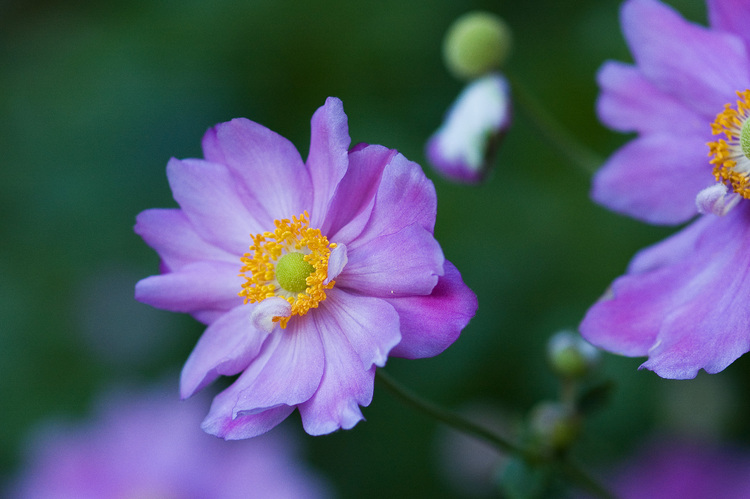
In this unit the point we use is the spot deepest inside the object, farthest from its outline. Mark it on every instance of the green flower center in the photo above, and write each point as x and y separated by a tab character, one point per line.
745	138
292	272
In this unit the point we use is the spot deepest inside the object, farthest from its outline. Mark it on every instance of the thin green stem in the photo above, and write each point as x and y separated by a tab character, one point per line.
450	418
552	130
463	425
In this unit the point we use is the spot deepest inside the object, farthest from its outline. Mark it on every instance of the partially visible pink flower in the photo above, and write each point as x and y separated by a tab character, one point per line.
463	148
343	270
682	302
677	469
143	445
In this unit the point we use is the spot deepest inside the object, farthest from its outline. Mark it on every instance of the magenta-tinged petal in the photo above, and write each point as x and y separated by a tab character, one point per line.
328	158
687	314
730	15
405	196
701	67
209	198
401	264
352	203
684	468
370	324
655	178
430	324
287	370
203	285
220	422
268	166
344	387
226	348
630	102
171	235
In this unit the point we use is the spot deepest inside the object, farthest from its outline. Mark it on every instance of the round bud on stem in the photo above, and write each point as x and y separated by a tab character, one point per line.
553	427
570	356
476	44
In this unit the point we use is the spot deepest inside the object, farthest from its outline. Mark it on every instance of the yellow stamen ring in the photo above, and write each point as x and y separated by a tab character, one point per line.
730	157
260	266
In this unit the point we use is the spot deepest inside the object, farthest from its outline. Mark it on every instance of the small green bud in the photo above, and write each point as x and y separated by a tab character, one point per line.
570	356
476	44
553	426
292	271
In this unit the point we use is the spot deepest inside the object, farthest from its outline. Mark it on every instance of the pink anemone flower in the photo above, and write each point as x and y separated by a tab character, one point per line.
682	302
308	274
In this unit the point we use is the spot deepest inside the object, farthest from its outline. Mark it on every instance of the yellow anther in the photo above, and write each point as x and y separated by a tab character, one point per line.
259	266
731	165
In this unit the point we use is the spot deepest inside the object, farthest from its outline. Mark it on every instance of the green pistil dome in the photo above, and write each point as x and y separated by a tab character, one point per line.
292	271
745	139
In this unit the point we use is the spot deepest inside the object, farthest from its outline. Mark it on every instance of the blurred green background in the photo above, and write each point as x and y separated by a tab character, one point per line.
95	97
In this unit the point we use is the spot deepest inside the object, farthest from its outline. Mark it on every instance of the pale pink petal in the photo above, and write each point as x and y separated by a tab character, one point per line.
701	67
266	164
344	387
730	15
287	370
371	325
405	263
405	196
655	178
679	246
629	102
226	347
209	197
328	158
352	203
203	285
685	310
169	232
220	422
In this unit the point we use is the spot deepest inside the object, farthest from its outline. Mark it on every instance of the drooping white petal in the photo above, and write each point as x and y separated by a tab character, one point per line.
716	199
265	311
336	262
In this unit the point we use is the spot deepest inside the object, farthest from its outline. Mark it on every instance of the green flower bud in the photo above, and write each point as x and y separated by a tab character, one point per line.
570	356
553	427
476	44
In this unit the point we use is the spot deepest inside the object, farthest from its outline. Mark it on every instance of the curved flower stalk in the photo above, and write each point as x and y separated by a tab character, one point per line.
147	445
338	269
682	302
